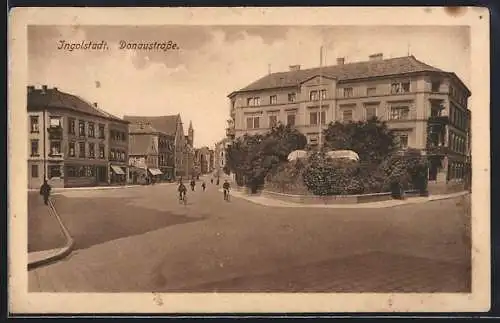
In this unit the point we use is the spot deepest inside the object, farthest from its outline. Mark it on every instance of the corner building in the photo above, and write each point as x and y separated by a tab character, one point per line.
69	140
426	107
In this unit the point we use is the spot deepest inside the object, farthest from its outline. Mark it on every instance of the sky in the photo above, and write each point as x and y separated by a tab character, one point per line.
213	61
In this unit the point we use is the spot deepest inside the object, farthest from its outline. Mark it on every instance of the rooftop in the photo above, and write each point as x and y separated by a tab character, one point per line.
344	72
165	124
53	98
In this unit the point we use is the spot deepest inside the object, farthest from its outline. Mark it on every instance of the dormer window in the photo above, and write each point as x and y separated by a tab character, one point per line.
273	99
313	96
292	97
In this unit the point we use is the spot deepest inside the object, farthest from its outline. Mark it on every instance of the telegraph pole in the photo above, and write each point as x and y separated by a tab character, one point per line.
320	96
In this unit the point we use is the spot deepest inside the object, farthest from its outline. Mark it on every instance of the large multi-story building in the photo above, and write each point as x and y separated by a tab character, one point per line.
425	107
203	157
69	141
177	154
220	156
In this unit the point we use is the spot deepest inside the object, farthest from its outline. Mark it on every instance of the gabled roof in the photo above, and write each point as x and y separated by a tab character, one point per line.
165	124
141	145
53	98
344	72
141	128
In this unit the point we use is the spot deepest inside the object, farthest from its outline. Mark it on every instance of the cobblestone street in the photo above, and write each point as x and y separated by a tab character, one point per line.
141	240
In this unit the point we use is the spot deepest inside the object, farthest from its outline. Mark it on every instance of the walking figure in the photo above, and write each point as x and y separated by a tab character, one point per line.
212	180
45	191
193	184
203	186
226	188
182	192
217	183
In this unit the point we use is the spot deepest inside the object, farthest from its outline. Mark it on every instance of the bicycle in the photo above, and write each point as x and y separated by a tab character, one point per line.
226	195
183	198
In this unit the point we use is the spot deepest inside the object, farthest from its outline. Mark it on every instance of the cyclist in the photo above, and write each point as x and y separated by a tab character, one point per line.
182	191
203	186
226	188
193	184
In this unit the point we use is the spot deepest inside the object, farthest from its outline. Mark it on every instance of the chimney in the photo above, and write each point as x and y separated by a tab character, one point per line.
340	61
31	88
55	89
44	89
376	57
294	67
95	104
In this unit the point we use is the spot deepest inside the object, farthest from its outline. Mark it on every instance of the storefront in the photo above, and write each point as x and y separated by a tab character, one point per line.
156	174
118	175
168	174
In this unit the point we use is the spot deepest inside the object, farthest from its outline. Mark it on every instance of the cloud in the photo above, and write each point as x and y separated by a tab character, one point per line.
214	61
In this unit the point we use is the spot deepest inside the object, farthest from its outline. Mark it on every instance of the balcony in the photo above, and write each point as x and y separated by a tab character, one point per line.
438	120
55	133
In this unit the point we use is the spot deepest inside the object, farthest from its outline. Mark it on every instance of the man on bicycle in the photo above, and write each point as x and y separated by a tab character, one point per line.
182	191
226	188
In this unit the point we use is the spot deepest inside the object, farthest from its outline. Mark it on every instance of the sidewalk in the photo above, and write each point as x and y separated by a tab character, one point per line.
96	188
266	201
39	258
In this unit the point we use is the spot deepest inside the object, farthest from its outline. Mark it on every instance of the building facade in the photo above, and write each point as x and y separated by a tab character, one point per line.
118	142
67	140
203	157
171	127
424	106
220	156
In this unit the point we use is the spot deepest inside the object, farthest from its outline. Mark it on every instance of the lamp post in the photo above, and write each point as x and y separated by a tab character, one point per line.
44	145
320	97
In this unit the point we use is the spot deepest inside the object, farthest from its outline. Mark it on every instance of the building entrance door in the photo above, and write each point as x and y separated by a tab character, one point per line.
101	174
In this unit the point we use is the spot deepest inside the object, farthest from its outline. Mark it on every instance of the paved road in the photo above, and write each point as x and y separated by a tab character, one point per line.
142	240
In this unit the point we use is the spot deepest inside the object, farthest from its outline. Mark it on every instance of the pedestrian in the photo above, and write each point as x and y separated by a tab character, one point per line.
217	183
45	191
203	186
211	180
193	184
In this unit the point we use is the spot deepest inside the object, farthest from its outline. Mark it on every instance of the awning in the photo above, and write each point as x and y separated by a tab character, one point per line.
155	171
118	170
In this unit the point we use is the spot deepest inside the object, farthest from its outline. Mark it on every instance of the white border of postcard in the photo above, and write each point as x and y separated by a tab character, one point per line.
20	301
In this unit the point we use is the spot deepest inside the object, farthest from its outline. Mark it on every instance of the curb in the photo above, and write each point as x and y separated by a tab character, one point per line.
285	204
98	188
63	252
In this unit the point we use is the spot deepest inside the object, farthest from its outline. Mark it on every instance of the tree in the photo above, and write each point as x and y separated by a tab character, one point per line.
252	158
372	140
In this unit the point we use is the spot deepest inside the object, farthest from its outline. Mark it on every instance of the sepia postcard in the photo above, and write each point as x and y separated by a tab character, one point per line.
249	160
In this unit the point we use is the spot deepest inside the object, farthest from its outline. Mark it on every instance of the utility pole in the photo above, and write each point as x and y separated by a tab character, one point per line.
320	96
44	145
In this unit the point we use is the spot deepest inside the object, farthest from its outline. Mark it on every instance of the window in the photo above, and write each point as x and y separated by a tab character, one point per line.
436	110
91	150
34	124
400	87
71	149
253	122
292	97
402	140
315	116
290	119
101	131
71	171
400	113
123	156
54	171
81	146
313	140
72	125
371	112
435	86
34	171
273	99
90	171
112	155
91	130
273	121
313	96
371	91
101	151
348	92
347	115
55	147
55	122
253	101
323	94
34	147
81	128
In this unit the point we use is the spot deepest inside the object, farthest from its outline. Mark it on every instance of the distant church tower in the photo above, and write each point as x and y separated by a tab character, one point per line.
191	134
